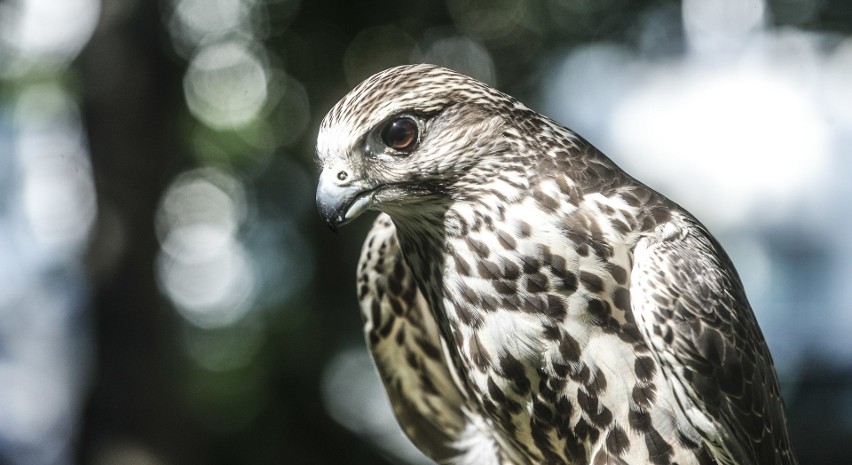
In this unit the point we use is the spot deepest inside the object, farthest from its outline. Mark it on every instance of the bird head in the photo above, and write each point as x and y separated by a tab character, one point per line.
406	136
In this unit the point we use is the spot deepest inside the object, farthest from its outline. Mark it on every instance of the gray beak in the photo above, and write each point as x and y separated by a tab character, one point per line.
341	199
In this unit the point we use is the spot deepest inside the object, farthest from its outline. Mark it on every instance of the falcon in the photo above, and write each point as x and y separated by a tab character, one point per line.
528	302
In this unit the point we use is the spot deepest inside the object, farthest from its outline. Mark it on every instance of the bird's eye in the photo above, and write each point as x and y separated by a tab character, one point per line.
400	134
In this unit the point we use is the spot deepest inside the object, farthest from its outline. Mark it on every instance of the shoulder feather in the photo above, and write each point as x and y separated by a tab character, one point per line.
694	315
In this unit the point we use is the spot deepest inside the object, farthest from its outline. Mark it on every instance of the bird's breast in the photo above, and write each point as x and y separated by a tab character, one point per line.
535	312
532	297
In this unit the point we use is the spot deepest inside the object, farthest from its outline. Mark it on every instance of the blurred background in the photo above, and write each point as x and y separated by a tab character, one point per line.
168	294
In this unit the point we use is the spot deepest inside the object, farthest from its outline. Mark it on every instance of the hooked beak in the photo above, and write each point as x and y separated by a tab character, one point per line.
341	199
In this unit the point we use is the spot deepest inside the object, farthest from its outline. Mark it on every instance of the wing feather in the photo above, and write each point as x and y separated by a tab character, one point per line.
692	308
407	349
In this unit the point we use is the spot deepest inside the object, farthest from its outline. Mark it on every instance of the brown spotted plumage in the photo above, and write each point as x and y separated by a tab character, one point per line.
528	302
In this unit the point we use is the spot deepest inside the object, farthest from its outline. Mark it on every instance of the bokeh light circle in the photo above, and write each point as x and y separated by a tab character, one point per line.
226	84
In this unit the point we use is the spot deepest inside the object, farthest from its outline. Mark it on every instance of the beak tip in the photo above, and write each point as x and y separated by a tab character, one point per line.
330	220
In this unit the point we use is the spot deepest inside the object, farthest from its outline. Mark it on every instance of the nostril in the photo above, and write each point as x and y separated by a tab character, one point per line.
341	176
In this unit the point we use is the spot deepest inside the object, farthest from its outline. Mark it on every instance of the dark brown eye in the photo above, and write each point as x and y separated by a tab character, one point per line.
400	134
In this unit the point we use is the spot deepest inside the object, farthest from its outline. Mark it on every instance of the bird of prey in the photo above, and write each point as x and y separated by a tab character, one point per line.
528	302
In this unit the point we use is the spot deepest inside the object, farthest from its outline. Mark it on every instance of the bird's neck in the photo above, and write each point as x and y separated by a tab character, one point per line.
422	237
